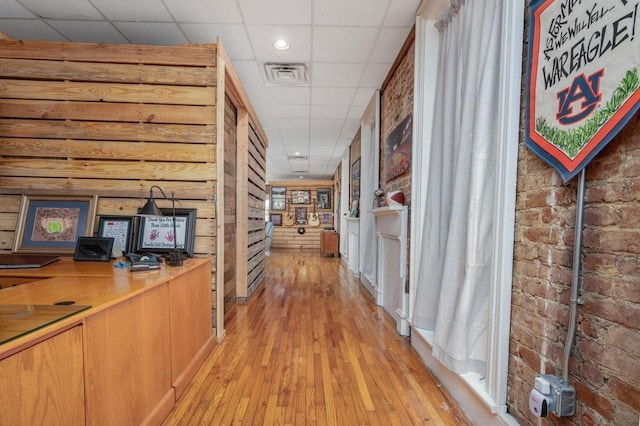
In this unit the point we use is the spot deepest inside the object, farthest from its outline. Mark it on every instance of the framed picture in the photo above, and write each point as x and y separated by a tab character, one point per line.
52	224
327	218
301	216
397	150
355	179
276	219
278	198
155	233
324	198
120	228
355	208
301	196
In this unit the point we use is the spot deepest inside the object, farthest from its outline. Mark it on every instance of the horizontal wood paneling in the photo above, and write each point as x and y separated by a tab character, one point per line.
122	112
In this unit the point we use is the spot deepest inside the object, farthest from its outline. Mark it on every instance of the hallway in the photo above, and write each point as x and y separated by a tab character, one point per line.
311	347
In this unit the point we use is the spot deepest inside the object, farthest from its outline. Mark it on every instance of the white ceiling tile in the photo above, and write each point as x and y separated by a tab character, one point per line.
326	124
249	73
374	75
324	133
89	31
352	12
127	10
29	29
208	11
11	9
290	111
262	38
294	133
329	111
388	45
234	38
293	123
152	33
356	112
289	95
354	44
62	9
336	75
363	96
331	96
278	12
258	94
397	15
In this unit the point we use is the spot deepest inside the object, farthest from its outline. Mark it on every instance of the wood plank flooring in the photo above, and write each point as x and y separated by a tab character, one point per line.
311	348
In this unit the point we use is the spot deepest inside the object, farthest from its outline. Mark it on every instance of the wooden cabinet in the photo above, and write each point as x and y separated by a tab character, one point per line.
43	383
329	243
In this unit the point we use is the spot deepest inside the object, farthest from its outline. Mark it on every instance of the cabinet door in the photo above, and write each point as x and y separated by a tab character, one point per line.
128	365
43	384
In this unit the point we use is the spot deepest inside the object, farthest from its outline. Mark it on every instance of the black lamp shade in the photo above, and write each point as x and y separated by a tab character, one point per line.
150	209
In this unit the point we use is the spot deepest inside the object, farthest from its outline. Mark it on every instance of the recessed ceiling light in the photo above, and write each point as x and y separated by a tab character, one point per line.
281	44
297	153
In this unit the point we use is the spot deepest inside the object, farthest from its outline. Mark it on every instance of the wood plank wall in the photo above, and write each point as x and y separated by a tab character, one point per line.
230	217
288	236
108	120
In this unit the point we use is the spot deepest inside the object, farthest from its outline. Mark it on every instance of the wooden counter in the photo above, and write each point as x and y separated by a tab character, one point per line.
128	357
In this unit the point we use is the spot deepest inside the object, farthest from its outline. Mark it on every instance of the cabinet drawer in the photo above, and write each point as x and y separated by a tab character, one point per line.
14	281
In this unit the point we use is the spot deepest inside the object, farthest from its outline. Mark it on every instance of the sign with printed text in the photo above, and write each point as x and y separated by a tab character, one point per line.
583	83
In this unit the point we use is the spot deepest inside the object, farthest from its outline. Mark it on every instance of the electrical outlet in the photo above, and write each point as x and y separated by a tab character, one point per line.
552	394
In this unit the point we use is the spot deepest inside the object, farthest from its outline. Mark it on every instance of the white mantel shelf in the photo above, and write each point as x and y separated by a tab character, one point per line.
391	228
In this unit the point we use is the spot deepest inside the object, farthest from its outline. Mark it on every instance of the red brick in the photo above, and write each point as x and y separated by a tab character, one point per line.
629	216
594	400
597	284
601	215
622	313
625	392
628	289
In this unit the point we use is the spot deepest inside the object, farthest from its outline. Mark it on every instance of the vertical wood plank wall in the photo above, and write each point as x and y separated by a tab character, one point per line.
113	120
230	217
288	236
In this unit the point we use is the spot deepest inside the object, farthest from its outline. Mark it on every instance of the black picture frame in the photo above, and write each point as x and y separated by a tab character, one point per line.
324	198
120	228
355	179
96	249
301	216
155	232
278	198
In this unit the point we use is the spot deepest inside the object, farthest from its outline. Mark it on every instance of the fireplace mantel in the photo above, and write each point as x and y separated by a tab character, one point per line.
391	228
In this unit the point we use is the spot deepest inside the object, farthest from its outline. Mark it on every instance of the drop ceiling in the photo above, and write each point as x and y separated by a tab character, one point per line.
345	47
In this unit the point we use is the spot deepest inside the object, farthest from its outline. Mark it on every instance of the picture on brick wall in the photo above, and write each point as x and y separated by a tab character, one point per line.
355	179
397	150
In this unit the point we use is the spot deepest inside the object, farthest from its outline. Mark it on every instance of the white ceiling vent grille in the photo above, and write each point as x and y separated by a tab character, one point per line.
298	158
286	74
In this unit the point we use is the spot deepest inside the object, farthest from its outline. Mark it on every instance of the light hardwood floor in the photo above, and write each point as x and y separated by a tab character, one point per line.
310	347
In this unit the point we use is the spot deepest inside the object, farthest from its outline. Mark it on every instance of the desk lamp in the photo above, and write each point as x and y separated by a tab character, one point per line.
174	258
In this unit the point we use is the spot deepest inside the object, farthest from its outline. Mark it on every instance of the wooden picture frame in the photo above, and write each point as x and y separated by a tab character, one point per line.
155	233
278	198
301	196
324	198
276	219
355	179
327	219
52	224
120	228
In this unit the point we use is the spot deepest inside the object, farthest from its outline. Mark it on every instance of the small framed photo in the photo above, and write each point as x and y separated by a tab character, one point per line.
52	224
327	218
278	198
301	196
156	233
355	208
120	228
324	198
276	219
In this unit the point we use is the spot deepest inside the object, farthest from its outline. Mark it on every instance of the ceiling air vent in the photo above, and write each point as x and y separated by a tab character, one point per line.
286	74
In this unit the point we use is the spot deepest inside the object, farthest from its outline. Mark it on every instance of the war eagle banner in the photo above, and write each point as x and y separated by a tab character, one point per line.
583	82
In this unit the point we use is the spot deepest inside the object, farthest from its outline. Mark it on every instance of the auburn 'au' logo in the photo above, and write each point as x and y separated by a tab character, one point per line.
583	89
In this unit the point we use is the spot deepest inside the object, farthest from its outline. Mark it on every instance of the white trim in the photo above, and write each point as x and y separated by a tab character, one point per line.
425	73
493	394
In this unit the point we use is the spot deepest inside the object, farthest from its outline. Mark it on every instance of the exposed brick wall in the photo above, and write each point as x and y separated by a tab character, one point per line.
605	359
396	104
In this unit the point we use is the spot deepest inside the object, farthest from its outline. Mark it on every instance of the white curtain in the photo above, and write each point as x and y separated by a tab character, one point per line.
453	277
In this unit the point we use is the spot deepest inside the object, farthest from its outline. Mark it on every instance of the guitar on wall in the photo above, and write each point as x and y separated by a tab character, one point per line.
289	220
314	221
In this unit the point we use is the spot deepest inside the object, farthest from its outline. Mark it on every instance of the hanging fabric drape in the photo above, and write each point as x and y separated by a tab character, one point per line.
453	278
